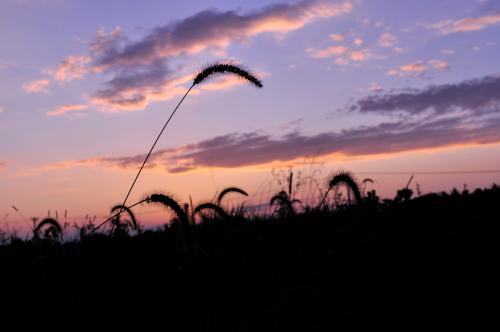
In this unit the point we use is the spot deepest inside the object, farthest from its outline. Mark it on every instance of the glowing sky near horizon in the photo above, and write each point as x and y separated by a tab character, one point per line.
382	86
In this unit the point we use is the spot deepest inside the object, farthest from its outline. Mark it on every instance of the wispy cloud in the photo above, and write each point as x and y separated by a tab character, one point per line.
387	40
66	109
71	68
2	109
327	52
342	54
257	149
36	86
140	69
439	116
480	95
466	24
337	37
210	29
418	68
344	51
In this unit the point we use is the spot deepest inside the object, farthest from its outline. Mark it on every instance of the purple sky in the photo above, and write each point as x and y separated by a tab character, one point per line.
373	86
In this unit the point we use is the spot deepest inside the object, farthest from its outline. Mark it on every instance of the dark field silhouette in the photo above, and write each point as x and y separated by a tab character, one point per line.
429	262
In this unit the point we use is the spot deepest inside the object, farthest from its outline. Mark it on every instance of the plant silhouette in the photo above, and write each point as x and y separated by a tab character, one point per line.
211	206
216	69
285	205
170	203
344	177
48	229
228	190
121	226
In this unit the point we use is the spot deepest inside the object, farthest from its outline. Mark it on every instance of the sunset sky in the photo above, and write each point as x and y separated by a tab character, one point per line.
384	88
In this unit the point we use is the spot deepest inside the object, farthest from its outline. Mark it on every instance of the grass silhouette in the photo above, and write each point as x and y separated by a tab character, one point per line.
428	261
348	179
229	190
209	71
121	226
211	206
285	204
48	229
182	217
222	68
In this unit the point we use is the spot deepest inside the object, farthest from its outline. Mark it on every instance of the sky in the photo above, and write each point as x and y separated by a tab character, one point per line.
384	88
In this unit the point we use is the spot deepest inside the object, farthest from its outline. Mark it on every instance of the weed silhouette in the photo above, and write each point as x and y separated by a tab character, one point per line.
48	229
211	206
219	68
185	227
348	179
226	191
285	205
121	226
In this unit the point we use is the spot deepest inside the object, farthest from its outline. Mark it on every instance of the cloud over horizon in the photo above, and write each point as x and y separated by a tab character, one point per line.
437	116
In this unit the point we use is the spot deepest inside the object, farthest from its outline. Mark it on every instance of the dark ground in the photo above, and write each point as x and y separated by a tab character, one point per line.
429	263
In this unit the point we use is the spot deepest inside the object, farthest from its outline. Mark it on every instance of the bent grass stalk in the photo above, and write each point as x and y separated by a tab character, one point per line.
54	230
226	191
284	203
349	180
172	204
219	68
117	222
211	206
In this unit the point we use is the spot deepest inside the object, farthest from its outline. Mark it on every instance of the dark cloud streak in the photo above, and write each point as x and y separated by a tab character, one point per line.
471	95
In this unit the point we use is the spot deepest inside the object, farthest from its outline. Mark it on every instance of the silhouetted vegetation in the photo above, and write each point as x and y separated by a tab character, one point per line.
426	262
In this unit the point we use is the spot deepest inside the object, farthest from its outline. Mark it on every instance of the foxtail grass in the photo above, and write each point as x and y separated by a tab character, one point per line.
346	178
206	73
53	229
120	225
285	204
211	206
226	191
172	204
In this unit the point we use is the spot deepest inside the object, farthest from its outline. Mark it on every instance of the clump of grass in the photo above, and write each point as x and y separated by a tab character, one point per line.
365	184
207	72
48	229
226	191
346	178
211	206
172	204
121	226
285	205
169	202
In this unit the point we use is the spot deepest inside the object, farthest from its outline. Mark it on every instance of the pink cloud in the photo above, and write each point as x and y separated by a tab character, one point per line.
140	68
66	109
418	68
71	68
326	53
211	29
337	37
359	55
442	126
466	24
387	39
439	65
358	41
36	86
